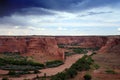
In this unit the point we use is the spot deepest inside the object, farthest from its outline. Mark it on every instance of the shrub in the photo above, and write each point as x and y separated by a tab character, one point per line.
69	53
11	72
54	63
36	71
37	78
78	50
16	64
87	77
96	66
5	78
83	63
110	71
71	72
59	76
89	60
22	72
61	45
93	53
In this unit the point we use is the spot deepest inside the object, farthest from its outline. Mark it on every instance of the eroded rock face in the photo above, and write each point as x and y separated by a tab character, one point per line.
46	48
85	42
12	44
107	44
112	45
41	48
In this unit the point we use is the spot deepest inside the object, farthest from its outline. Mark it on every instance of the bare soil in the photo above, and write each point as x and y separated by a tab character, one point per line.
51	71
108	61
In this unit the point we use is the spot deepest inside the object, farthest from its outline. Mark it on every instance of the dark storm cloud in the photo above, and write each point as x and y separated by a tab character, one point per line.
94	13
8	7
35	11
87	4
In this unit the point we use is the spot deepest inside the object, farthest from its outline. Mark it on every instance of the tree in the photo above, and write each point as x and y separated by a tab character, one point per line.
11	72
36	71
71	73
59	76
5	78
87	77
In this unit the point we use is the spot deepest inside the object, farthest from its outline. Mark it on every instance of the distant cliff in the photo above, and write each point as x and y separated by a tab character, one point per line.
112	45
41	46
106	44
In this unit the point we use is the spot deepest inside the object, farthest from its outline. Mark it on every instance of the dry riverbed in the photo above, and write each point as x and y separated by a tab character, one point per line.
51	71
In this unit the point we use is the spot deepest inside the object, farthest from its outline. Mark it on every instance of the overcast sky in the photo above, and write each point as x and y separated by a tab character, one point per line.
59	17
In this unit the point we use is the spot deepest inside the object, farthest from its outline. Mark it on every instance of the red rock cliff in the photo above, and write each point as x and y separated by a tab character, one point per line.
12	44
107	44
41	48
112	45
83	41
46	48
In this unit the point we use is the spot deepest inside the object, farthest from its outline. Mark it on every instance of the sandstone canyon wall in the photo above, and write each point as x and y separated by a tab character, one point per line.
41	46
106	44
112	45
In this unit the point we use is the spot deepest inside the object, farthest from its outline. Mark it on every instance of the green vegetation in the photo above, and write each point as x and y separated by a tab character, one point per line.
61	45
110	71
76	51
71	73
59	76
5	78
39	78
18	73
93	53
69	53
11	72
82	64
87	77
10	61
54	63
95	66
93	49
79	50
21	64
36	71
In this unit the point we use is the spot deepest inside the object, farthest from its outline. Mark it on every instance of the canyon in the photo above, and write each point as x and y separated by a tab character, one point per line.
44	48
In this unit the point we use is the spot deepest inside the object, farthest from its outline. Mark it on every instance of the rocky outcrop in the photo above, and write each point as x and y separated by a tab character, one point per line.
83	41
106	44
112	45
12	44
46	48
37	47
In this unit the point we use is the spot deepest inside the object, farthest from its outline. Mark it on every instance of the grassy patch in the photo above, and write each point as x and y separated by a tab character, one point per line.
61	45
54	63
110	71
69	53
79	50
11	61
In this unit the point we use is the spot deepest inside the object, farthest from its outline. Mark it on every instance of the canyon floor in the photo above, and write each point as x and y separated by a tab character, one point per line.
43	49
51	71
106	61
